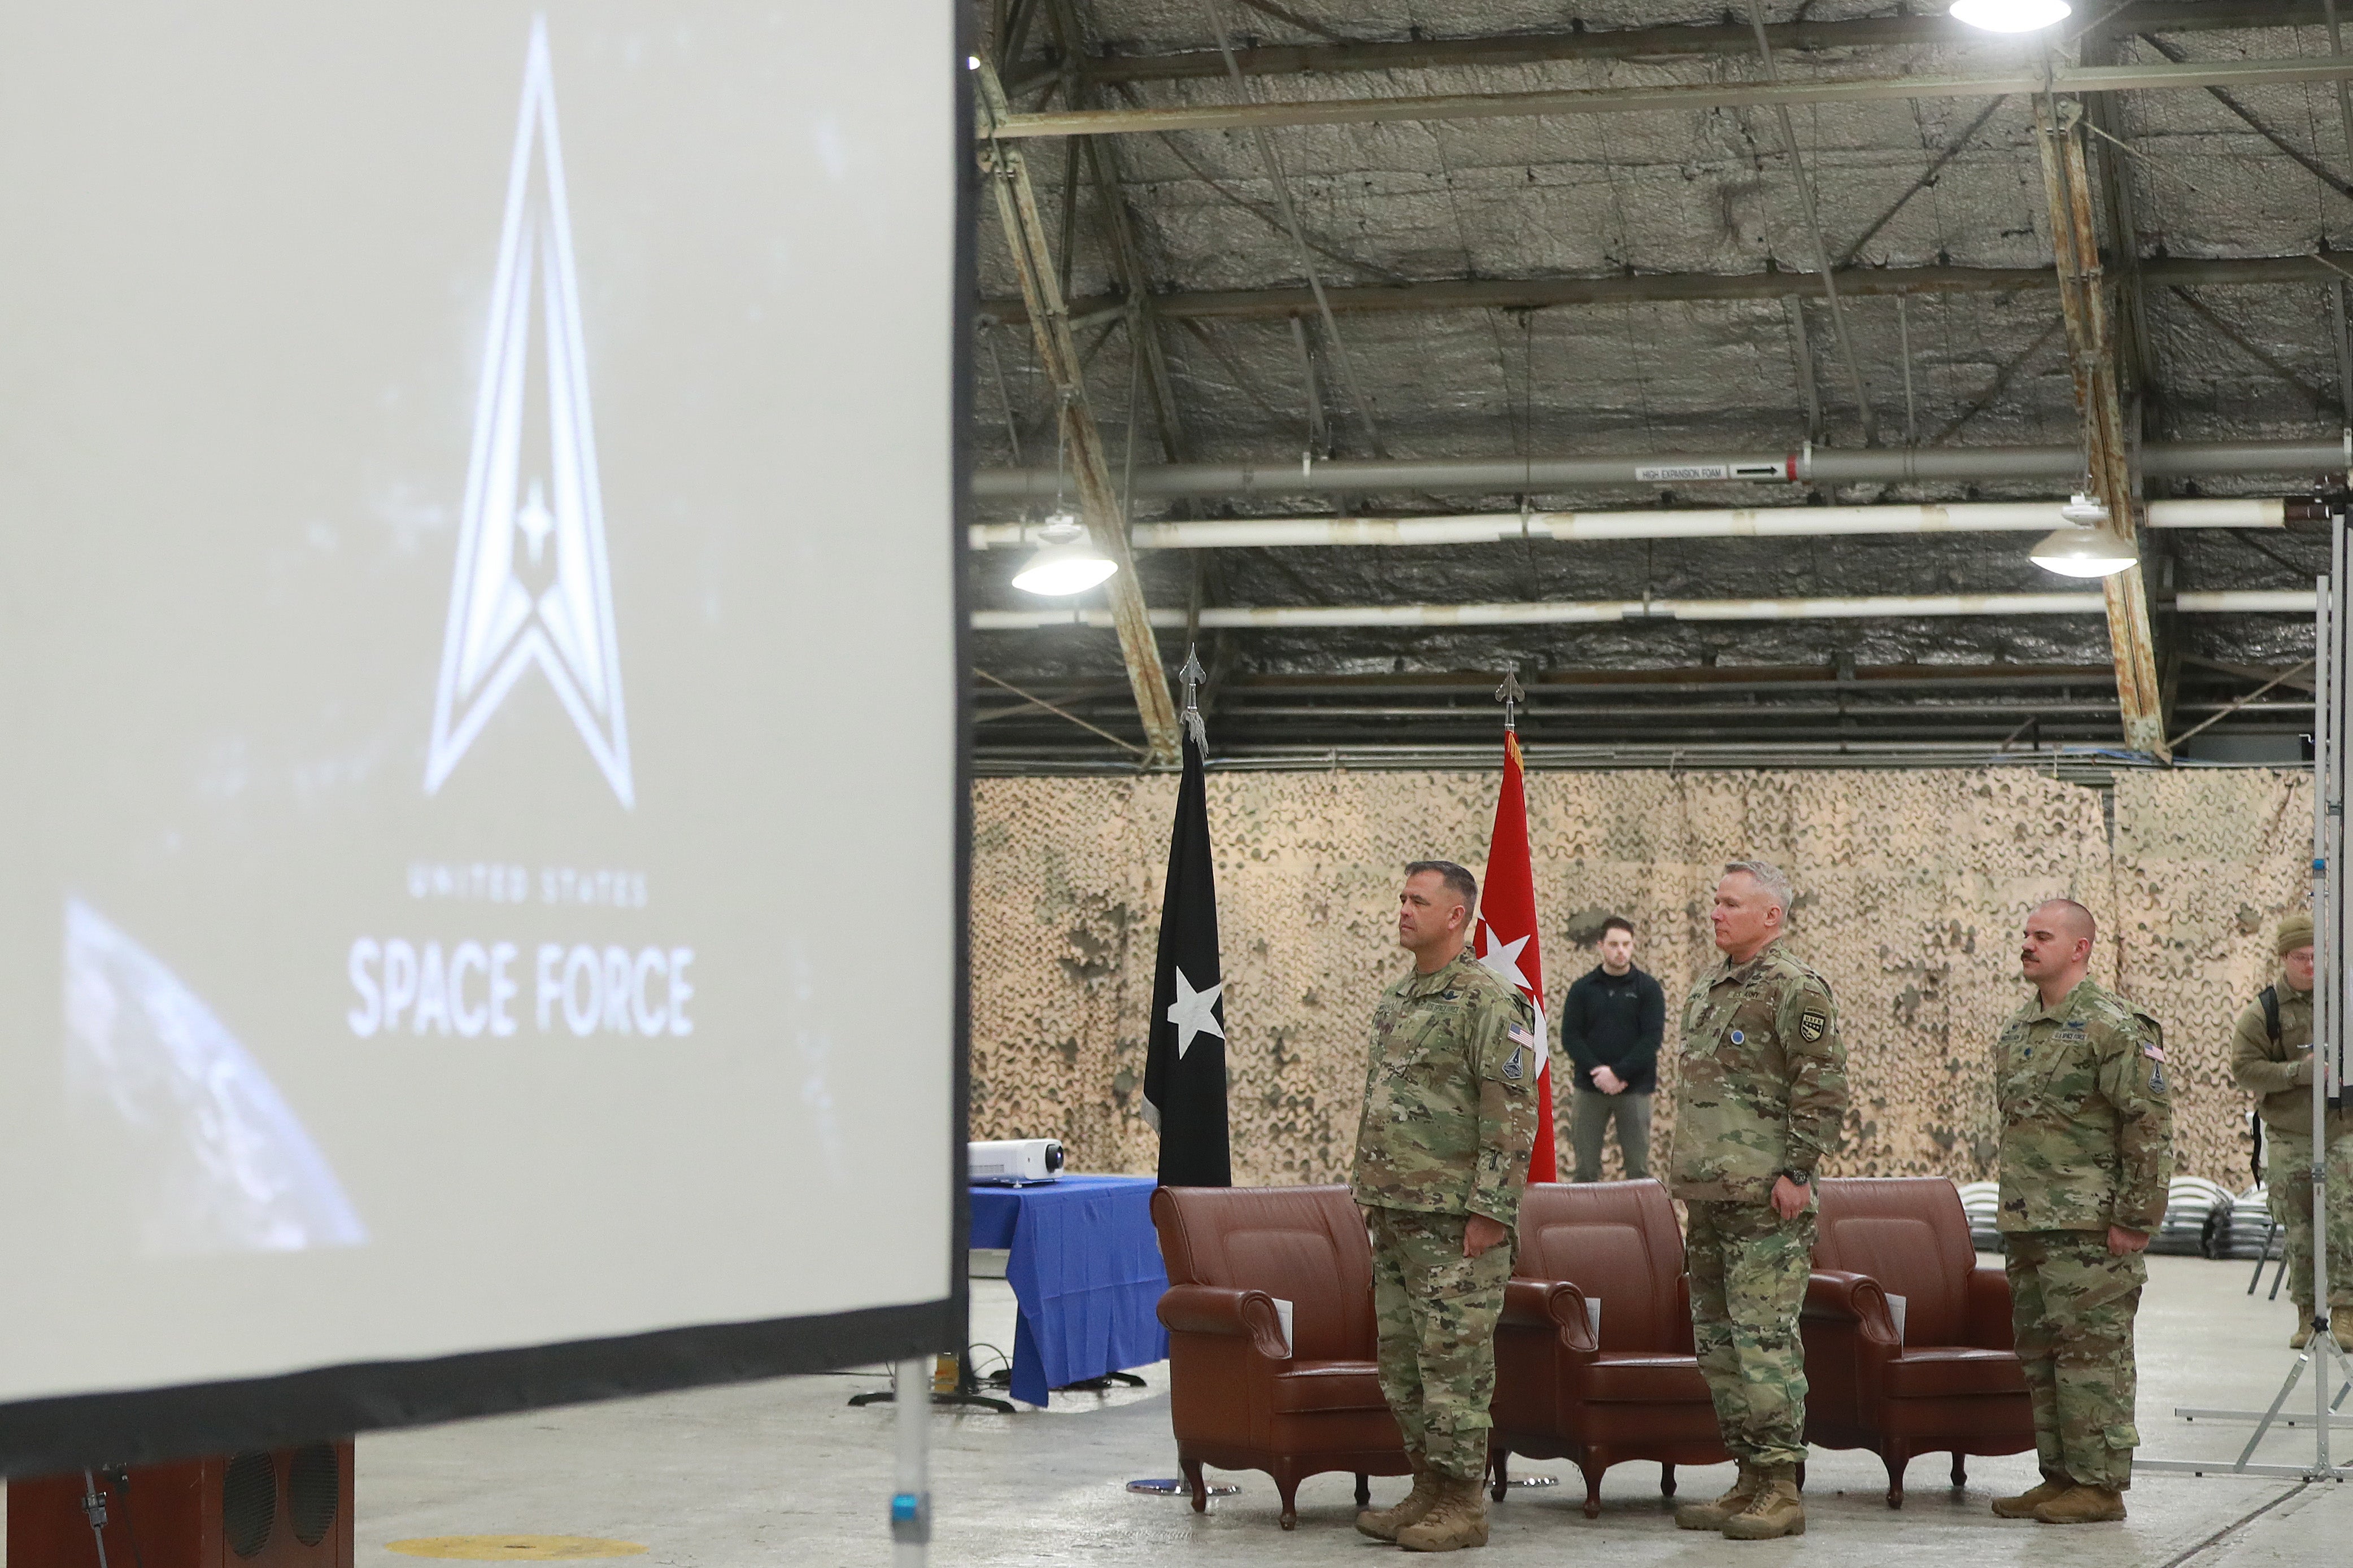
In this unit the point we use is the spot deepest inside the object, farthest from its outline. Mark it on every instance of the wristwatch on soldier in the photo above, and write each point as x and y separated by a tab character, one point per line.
1800	1178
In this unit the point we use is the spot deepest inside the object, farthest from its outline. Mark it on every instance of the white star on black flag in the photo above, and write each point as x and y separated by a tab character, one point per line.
1195	1013
1185	1064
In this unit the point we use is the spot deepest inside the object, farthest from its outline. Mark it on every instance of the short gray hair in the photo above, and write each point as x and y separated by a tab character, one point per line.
1767	876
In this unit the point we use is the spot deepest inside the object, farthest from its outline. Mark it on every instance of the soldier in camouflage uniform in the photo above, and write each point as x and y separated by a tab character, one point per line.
1442	1158
2086	1155
2271	1056
1760	1094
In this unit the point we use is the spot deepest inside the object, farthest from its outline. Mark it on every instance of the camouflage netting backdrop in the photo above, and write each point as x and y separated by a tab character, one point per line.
1910	889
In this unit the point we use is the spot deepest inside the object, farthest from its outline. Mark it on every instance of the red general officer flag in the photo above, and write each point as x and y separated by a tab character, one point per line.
1505	940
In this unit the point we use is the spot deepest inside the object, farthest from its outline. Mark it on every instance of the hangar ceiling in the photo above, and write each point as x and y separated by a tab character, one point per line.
1296	270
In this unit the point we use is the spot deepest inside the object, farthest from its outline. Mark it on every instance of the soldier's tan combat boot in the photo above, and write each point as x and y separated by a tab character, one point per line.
2024	1505
1774	1511
1459	1519
2301	1337
2082	1505
1711	1515
1383	1524
2340	1327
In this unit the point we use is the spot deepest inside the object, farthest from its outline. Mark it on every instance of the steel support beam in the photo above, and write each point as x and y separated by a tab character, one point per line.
1468	688
1568	613
1121	248
1648	287
1683	97
1671	42
2254	123
2106	113
2136	350
2108	453
1025	236
1281	187
1840	336
1544	475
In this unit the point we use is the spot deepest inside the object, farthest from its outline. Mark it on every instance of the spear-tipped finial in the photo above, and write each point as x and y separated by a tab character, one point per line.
1511	694
1193	676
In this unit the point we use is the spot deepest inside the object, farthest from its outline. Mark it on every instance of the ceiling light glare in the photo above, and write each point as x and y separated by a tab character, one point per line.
2086	544
1067	562
2011	16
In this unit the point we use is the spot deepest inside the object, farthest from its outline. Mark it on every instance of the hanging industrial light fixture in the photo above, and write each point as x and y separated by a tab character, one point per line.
2086	544
2009	15
1067	561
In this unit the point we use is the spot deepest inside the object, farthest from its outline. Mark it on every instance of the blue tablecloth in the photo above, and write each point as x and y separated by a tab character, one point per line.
1086	1270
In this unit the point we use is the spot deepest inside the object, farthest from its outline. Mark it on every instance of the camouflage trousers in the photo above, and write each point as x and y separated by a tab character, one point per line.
1436	1312
1749	1268
2071	1309
2287	1167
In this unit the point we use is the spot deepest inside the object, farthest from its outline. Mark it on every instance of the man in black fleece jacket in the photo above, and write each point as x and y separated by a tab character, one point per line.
1610	1026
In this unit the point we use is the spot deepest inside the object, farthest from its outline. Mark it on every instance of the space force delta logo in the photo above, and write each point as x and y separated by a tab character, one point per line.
533	589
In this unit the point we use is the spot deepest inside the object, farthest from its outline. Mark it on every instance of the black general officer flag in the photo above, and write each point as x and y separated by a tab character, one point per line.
1184	1063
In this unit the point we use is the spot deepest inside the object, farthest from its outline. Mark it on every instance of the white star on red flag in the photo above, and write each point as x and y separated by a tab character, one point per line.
1508	946
1502	959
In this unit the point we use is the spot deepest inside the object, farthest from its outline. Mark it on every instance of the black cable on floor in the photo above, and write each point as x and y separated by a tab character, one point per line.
122	1479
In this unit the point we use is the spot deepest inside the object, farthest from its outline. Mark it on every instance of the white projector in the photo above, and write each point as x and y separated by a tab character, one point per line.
1015	1161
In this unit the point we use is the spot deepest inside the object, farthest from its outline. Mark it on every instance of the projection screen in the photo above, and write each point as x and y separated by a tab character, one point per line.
481	917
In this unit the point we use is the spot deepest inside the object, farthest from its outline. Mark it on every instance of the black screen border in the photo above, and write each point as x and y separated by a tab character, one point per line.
70	1432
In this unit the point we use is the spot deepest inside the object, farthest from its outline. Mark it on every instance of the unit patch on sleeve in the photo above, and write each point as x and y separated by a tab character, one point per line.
1522	1042
1812	1025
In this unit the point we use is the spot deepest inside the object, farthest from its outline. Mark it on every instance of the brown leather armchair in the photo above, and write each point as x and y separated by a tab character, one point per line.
1236	1400
1635	1395
1952	1381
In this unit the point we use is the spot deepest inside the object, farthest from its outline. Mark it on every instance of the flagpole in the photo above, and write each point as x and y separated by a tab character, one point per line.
1511	694
1195	729
1193	676
1510	893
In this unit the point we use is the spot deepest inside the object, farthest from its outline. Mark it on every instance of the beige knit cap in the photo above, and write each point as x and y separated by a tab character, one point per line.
2294	932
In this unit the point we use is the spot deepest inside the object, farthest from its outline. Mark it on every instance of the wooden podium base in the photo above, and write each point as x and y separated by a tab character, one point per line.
291	1508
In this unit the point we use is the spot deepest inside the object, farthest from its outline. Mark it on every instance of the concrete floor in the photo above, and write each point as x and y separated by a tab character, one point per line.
783	1472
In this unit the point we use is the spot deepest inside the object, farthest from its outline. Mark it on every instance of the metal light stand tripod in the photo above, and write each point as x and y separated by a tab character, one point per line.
2332	1009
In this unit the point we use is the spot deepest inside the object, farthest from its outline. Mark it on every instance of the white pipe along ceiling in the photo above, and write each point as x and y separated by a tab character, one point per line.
1730	522
1310	475
1237	617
